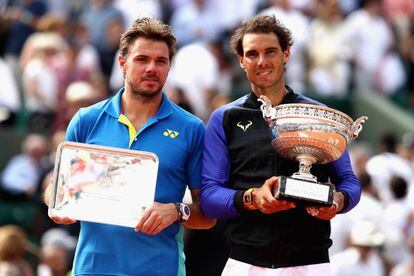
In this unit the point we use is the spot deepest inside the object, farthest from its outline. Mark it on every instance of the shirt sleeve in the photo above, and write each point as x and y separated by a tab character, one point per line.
195	158
346	181
73	133
216	199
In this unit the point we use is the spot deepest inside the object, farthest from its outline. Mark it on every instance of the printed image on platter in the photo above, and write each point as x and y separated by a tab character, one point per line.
103	184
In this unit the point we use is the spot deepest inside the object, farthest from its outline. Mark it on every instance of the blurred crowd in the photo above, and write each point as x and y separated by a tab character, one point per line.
59	55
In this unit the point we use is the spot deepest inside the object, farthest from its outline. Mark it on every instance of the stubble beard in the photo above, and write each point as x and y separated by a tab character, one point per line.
266	85
140	93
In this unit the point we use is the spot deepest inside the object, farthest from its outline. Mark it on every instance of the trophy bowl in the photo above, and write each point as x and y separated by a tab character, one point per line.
309	134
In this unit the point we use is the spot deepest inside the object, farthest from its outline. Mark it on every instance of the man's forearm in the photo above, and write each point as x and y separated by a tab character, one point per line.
198	220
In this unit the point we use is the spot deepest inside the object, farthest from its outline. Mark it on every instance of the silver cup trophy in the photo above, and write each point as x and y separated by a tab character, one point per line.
308	134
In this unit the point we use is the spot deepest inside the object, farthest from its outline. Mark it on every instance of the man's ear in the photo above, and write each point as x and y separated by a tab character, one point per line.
241	61
122	62
286	56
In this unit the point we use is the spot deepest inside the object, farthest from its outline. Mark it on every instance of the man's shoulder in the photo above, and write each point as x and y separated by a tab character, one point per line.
183	116
87	117
95	108
92	112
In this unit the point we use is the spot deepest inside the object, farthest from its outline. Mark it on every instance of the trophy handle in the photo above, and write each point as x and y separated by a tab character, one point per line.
269	113
357	126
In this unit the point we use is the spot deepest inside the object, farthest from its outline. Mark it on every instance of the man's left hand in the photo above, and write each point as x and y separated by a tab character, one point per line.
328	212
157	218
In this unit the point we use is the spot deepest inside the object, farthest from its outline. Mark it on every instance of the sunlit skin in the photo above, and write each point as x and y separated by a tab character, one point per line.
263	61
145	68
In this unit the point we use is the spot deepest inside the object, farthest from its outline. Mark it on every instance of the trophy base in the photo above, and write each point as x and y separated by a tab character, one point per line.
310	192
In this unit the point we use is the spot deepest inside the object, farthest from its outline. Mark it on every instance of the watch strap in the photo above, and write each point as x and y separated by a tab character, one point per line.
248	202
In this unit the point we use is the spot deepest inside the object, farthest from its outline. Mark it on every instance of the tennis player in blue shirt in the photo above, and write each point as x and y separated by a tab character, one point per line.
141	117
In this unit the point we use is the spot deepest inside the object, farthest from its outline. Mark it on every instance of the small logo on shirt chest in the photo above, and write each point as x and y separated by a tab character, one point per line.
171	133
244	125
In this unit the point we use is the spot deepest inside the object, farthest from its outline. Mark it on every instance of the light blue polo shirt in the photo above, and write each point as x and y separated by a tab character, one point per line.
176	137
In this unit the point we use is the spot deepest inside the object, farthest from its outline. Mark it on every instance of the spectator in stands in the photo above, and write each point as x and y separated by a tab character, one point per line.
13	242
360	153
101	18
10	102
87	56
405	268
399	14
23	17
377	67
361	258
40	80
78	94
56	251
329	55
383	166
406	148
176	95
407	151
397	223
132	10
198	81
195	21
368	208
22	172
230	13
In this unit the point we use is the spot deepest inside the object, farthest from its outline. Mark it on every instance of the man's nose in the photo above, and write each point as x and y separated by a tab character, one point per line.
151	67
262	60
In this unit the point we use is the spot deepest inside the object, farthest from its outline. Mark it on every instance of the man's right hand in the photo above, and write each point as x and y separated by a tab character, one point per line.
264	198
62	220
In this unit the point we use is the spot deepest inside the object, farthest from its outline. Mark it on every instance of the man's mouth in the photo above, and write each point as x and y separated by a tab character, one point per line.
151	79
263	73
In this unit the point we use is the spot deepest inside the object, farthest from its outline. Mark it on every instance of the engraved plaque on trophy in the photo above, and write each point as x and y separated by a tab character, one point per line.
309	134
102	184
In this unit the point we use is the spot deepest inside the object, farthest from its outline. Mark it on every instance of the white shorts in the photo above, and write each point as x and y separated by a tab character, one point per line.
237	268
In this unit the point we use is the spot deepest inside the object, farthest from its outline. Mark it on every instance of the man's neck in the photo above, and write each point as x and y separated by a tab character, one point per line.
275	93
139	109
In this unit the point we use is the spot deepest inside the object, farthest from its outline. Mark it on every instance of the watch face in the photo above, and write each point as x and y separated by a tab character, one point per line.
186	210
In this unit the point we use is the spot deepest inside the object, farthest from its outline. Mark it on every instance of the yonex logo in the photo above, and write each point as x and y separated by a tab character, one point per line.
246	126
171	133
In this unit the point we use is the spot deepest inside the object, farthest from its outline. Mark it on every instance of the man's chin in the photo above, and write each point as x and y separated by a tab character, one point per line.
147	93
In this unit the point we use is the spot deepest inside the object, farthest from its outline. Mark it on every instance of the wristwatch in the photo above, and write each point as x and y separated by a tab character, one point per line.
183	212
248	199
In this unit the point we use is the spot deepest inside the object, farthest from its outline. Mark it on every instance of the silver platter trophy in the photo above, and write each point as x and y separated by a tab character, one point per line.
102	184
308	134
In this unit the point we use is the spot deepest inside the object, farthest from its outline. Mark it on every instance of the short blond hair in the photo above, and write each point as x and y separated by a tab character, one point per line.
148	28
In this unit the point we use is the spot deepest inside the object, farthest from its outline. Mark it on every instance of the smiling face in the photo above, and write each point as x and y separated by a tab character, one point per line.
263	61
145	67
